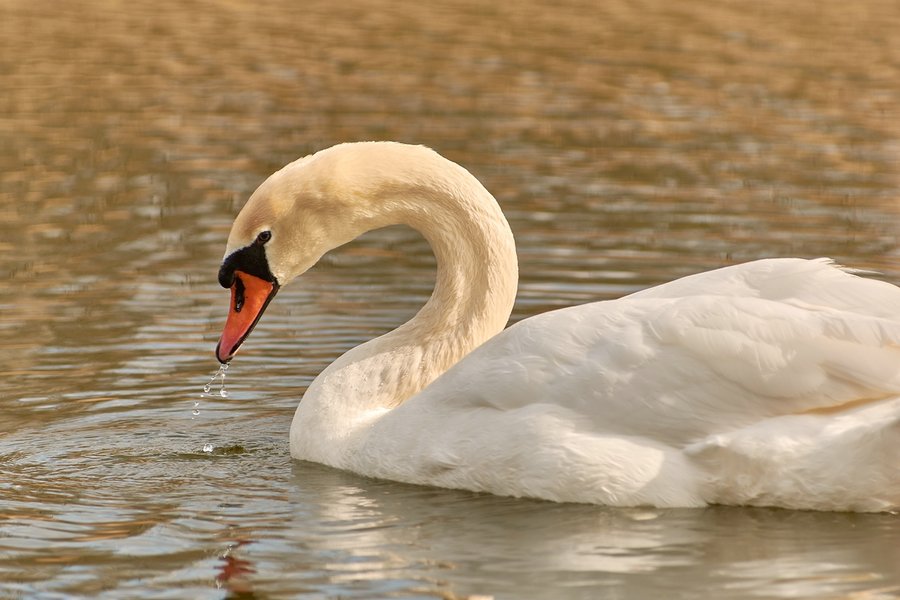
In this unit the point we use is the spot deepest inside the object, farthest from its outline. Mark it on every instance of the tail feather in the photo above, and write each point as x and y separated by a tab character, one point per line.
848	461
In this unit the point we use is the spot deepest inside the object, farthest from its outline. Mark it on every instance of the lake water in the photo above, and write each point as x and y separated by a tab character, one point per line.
628	142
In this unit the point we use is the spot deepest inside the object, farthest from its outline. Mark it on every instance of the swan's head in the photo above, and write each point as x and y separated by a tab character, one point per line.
298	214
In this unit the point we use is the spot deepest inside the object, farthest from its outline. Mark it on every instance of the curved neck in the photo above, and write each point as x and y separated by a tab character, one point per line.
475	288
477	274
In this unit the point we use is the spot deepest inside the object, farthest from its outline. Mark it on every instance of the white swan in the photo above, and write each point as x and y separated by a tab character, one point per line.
775	382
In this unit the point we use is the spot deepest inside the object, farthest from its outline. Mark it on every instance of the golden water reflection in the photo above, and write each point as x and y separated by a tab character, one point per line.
628	142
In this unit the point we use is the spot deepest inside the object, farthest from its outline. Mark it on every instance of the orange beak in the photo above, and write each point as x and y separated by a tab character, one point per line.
249	297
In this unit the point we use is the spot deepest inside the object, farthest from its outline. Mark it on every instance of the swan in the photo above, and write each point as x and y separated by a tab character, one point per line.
770	383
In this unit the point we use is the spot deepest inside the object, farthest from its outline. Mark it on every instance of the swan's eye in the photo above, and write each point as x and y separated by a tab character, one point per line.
263	237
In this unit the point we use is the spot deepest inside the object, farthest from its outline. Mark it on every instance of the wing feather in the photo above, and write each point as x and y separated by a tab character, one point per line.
702	355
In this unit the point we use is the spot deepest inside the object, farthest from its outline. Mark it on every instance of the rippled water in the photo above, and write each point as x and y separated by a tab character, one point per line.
628	142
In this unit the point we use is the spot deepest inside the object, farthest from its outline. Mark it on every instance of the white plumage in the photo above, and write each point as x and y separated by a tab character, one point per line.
775	382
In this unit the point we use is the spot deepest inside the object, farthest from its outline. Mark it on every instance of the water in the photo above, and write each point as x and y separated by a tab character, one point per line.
628	143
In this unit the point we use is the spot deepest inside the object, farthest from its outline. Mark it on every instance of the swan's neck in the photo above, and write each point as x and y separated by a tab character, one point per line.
473	296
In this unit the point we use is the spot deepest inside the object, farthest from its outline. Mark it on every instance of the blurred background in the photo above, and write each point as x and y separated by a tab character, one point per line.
629	142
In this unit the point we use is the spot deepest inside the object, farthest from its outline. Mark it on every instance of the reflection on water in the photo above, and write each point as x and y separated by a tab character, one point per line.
234	571
629	143
580	549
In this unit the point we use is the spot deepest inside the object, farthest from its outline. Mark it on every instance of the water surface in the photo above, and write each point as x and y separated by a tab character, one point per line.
628	142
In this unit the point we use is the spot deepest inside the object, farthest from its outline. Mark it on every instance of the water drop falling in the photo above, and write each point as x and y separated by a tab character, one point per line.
220	374
222	369
223	393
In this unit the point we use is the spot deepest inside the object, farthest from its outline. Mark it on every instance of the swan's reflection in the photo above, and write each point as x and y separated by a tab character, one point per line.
366	530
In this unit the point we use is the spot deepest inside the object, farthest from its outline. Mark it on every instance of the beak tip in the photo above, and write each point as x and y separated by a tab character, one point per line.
219	355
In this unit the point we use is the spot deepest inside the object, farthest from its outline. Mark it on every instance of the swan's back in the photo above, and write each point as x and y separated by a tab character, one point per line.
811	283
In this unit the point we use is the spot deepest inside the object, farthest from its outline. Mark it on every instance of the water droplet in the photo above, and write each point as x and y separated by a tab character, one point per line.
223	393
220	374
208	448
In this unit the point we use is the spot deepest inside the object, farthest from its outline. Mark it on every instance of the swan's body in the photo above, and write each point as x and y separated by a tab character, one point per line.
774	383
